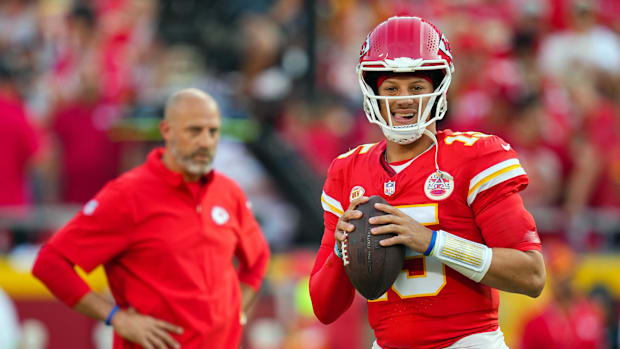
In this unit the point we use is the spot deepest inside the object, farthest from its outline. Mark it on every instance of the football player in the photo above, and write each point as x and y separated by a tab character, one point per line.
453	202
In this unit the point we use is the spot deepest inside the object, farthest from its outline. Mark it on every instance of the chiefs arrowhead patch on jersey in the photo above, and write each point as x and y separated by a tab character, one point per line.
219	215
439	185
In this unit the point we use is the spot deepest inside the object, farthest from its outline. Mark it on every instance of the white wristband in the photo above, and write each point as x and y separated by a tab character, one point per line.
467	257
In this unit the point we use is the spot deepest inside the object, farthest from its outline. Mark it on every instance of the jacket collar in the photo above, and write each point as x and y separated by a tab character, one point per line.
156	165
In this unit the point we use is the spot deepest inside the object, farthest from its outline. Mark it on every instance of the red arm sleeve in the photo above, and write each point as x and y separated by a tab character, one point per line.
331	291
252	251
57	274
507	223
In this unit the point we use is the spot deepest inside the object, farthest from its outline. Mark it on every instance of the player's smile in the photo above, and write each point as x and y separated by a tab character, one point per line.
403	116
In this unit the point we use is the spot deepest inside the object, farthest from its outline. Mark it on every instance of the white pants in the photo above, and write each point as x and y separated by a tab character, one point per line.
484	340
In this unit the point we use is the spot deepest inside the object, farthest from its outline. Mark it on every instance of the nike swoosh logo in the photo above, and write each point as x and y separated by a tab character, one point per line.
506	147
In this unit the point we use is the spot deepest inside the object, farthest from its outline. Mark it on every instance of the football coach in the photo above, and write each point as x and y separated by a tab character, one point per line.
167	234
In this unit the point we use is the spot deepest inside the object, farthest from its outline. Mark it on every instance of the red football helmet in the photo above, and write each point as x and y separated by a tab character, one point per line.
406	45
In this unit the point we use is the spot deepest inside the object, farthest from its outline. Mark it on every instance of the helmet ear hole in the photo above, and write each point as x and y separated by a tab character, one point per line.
371	78
436	77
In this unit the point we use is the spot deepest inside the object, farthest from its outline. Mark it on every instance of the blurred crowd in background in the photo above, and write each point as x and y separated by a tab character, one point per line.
83	83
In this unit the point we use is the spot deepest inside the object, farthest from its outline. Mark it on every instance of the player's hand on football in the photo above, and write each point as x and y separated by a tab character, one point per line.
343	228
147	331
409	231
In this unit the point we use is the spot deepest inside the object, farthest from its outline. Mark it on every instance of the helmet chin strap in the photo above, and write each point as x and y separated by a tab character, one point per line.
392	136
432	136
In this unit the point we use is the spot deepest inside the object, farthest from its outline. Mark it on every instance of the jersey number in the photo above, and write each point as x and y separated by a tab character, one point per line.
420	276
467	138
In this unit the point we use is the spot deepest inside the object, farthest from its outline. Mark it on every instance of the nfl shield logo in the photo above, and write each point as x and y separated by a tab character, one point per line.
389	188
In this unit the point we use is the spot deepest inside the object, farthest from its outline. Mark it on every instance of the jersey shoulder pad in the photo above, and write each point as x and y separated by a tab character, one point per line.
490	161
470	142
477	146
357	151
332	198
343	162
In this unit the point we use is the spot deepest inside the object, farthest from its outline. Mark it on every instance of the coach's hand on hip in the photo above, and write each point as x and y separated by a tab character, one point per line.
149	332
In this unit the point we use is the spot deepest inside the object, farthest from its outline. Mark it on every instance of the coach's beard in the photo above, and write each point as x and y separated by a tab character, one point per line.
188	163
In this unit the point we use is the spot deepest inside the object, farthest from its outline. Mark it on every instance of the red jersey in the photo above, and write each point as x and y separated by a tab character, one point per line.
431	305
167	249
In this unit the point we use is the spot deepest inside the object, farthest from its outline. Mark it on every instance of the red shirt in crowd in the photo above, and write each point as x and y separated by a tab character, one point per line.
167	248
18	142
83	130
602	127
579	327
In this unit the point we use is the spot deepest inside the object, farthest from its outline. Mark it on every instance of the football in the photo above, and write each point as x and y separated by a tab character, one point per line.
371	267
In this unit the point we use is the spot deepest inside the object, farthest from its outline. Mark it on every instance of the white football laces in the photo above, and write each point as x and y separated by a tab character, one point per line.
345	250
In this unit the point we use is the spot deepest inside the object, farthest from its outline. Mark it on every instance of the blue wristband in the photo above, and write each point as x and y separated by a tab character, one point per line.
108	320
337	250
432	244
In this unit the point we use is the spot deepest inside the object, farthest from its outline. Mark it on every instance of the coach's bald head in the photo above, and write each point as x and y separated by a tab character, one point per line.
191	130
